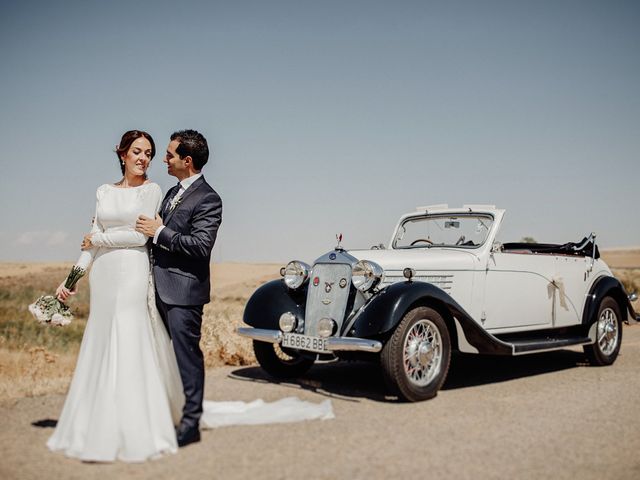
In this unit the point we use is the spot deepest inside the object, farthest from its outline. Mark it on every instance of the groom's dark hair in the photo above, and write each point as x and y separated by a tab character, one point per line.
194	145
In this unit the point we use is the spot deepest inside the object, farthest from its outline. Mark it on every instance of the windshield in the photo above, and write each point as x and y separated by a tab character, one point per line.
464	231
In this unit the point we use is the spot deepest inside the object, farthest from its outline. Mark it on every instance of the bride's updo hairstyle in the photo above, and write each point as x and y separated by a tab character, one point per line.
125	143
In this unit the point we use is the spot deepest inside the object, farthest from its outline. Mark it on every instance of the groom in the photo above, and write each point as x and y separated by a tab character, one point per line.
183	236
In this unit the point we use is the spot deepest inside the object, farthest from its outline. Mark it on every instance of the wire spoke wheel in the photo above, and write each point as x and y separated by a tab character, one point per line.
415	360
607	332
422	353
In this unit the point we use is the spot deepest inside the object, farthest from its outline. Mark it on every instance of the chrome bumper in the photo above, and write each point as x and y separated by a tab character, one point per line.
334	344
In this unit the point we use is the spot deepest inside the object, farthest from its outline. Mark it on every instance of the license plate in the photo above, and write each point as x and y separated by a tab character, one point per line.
304	342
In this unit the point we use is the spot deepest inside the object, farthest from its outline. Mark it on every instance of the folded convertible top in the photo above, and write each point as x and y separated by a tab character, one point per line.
583	248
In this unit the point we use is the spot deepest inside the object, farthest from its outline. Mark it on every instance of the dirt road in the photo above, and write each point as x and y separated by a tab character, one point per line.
543	416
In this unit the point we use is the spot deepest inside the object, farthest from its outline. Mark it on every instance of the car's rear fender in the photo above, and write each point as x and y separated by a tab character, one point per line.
264	307
382	313
606	286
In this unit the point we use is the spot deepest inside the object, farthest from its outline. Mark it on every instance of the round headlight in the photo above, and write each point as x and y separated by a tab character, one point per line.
287	322
295	274
366	275
326	327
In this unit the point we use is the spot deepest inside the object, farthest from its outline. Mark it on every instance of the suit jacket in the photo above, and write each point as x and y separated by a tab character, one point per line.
182	254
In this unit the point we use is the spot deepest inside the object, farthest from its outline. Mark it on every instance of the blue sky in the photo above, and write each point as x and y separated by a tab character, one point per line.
326	117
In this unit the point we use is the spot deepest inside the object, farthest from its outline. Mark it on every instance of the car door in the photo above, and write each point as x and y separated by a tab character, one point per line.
571	283
518	291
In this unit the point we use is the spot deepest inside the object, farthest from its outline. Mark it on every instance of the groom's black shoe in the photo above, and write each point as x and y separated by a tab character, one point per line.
187	435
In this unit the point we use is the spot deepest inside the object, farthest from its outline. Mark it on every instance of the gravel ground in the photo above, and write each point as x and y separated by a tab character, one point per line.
542	416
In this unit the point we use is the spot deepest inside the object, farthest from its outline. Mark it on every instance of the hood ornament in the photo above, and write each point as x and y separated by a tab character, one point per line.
339	239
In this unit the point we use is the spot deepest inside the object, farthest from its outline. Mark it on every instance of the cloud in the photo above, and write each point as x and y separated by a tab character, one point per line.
57	238
41	237
29	238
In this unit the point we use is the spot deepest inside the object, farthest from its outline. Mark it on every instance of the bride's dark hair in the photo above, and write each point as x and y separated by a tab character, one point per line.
125	143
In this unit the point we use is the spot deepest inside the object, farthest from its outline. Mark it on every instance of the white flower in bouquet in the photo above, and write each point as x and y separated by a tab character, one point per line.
37	313
48	309
59	319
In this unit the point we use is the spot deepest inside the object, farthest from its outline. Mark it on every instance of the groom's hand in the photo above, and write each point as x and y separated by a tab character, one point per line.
148	226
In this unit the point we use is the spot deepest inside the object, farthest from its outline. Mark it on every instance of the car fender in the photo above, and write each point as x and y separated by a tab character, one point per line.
264	307
606	286
384	311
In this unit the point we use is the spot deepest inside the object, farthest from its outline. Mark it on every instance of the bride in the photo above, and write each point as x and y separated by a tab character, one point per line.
120	403
126	394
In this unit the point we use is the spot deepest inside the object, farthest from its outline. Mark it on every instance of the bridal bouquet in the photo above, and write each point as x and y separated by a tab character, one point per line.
48	309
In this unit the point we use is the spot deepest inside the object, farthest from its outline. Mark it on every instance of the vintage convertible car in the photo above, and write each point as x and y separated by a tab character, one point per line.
444	284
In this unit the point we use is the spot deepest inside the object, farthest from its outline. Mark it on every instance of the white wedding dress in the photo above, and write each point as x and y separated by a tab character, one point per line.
126	394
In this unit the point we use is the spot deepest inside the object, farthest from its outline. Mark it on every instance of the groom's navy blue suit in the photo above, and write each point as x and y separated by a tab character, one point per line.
181	258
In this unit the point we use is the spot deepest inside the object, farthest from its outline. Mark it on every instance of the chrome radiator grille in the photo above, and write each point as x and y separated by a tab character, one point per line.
327	299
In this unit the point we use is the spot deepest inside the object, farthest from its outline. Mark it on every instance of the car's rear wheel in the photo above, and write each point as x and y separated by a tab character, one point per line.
416	359
608	334
280	363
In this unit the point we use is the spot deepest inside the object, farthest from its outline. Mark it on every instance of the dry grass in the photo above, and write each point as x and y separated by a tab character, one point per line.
33	372
39	359
625	265
233	284
631	281
220	345
18	330
623	258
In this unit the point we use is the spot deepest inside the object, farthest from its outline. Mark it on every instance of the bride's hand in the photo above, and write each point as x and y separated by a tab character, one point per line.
62	292
86	242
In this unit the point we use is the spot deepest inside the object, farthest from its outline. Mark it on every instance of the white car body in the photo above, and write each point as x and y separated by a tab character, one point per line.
551	288
444	284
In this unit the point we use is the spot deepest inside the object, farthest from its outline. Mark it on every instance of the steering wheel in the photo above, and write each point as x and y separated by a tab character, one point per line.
460	240
421	240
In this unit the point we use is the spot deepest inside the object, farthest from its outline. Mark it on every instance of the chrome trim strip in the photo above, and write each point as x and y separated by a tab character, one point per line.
261	334
353	344
444	281
343	344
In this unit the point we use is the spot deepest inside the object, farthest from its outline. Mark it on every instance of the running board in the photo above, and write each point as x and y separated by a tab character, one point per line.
523	346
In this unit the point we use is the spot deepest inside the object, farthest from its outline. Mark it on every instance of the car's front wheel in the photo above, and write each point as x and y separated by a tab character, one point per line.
280	363
415	360
608	334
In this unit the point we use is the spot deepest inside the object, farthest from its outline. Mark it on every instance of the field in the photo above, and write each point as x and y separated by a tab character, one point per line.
39	360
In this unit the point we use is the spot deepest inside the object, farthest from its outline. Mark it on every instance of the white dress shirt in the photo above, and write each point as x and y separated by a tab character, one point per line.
184	184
